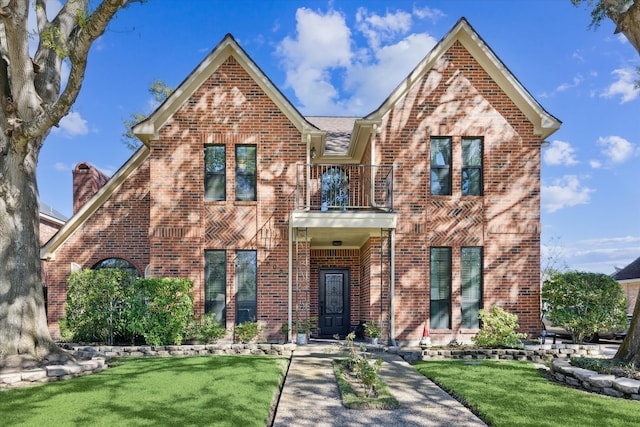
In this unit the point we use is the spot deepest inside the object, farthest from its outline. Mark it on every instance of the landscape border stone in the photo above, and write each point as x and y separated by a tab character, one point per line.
94	359
563	372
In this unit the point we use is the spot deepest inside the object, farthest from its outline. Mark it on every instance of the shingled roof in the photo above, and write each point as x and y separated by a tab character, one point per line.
631	271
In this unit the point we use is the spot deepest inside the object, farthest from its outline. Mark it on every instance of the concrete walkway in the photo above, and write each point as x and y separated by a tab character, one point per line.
310	396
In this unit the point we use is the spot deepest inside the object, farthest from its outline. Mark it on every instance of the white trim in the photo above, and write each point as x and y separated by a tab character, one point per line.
149	129
47	252
544	123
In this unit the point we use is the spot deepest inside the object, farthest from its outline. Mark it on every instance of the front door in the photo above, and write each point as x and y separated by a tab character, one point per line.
333	301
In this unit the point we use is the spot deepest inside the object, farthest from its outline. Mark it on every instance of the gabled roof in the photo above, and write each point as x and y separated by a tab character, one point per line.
630	272
84	213
544	123
149	128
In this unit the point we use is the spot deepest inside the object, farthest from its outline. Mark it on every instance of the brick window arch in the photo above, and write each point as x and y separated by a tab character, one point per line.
119	263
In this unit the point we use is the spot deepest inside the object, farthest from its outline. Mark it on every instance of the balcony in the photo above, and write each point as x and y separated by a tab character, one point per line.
344	187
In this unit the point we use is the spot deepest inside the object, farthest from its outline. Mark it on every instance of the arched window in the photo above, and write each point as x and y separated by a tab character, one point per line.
335	189
119	263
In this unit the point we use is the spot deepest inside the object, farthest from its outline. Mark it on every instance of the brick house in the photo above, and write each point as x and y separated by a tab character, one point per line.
422	212
629	279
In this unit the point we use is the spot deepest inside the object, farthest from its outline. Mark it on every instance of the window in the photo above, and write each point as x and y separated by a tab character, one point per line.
335	189
245	172
471	276
215	284
215	172
441	166
246	286
119	263
440	278
471	166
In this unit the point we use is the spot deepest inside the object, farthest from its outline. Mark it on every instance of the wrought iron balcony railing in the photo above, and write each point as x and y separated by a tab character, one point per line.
344	187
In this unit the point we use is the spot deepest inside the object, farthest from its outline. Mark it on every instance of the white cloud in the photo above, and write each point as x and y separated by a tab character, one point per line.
574	83
564	192
602	255
616	241
428	13
379	29
61	167
72	125
595	164
330	74
616	148
625	85
373	80
322	43
560	153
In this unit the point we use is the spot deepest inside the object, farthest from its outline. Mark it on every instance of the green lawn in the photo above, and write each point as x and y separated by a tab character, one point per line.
205	390
515	394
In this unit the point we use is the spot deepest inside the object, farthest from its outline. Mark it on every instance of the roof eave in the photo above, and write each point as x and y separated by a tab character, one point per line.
544	123
47	252
148	129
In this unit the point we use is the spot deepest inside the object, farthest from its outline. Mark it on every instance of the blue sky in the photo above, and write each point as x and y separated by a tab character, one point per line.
345	57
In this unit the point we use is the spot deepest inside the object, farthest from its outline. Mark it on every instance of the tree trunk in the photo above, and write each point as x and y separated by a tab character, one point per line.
629	350
23	323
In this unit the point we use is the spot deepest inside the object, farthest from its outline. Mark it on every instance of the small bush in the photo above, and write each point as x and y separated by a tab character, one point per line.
362	367
247	331
207	329
498	329
584	303
164	310
99	304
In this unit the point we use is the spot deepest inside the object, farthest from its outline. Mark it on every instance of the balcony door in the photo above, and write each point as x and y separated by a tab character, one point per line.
333	300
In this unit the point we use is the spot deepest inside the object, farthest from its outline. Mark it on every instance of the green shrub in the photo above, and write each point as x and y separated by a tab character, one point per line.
163	310
99	305
247	331
360	364
584	303
207	329
498	329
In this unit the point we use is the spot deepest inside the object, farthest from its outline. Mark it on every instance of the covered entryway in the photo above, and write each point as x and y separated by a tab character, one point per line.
334	302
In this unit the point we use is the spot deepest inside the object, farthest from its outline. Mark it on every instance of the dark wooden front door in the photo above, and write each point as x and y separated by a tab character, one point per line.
333	302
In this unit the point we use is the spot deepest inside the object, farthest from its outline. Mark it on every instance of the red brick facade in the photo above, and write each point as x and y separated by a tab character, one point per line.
157	217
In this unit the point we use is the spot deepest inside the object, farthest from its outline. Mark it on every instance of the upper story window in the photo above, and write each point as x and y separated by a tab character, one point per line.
471	166
441	166
215	172
334	189
246	172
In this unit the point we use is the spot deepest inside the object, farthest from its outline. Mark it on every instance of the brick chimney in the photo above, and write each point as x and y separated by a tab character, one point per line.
87	181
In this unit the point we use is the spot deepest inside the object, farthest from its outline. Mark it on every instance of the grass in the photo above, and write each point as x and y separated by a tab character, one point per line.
353	399
516	394
185	391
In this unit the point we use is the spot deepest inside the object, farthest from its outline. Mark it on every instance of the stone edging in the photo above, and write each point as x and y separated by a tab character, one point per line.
533	353
108	352
52	373
94	359
610	385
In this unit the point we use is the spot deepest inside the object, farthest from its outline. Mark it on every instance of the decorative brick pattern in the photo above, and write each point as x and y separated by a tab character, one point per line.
159	217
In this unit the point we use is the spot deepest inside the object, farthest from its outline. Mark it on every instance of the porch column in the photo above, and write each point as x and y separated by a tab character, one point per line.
290	290
392	287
